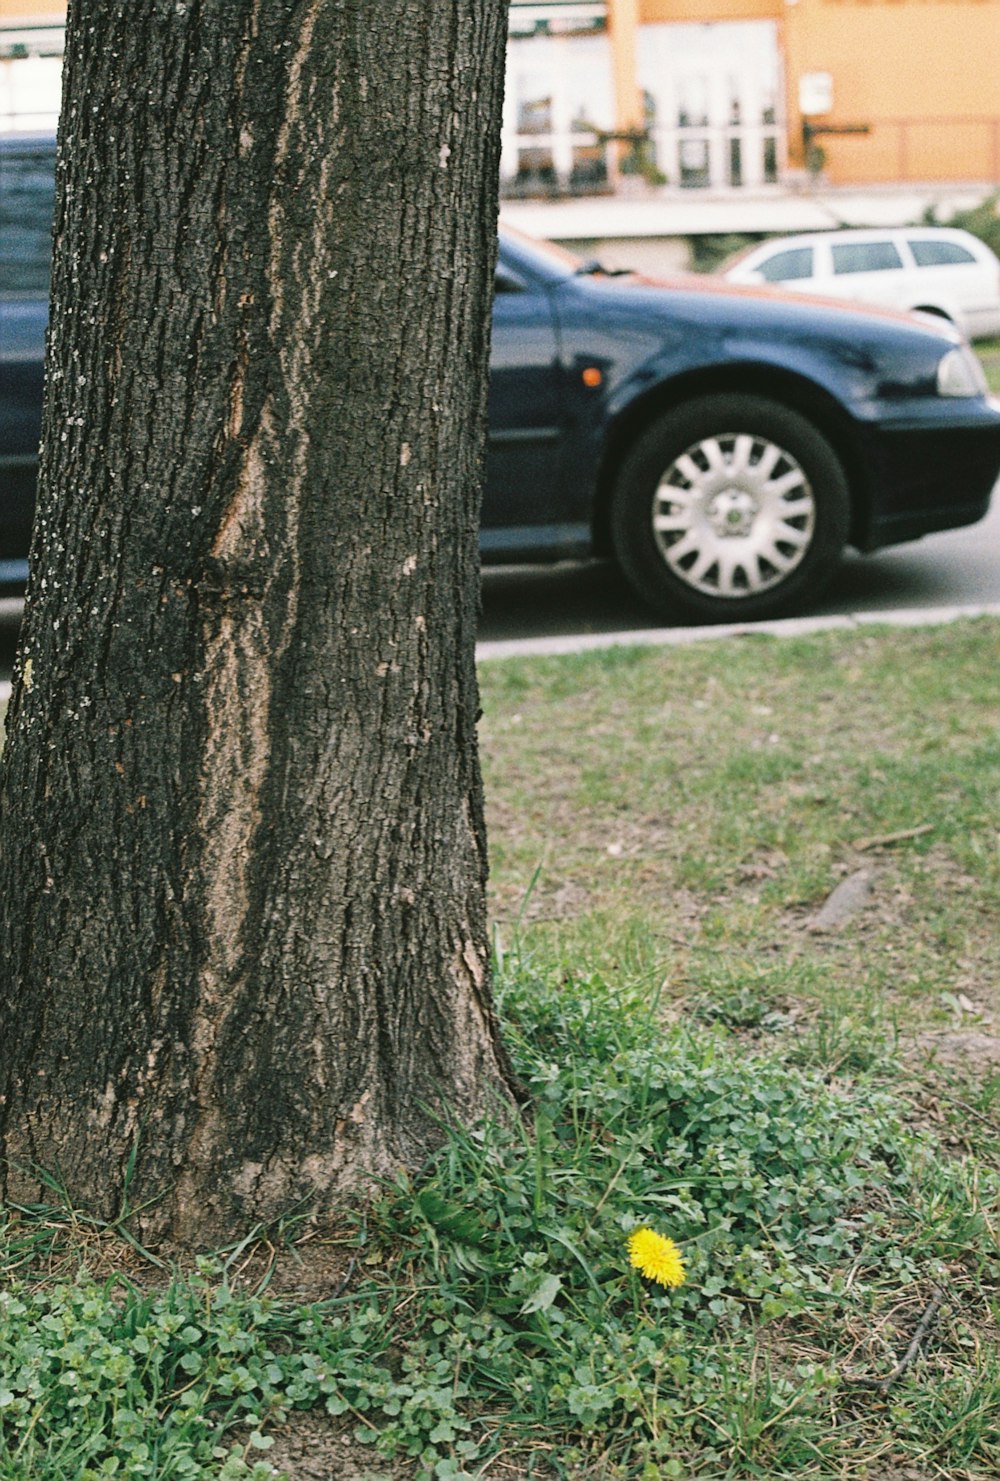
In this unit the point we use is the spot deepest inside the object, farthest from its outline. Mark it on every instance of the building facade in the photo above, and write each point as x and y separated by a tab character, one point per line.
618	95
921	76
731	94
31	45
603	92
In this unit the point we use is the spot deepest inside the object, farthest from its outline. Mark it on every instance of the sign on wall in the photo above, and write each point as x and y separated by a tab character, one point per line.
815	93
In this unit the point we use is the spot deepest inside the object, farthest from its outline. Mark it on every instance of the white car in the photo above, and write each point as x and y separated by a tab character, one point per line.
933	269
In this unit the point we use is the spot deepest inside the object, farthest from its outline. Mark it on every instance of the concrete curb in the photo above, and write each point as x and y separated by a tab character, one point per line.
788	627
668	637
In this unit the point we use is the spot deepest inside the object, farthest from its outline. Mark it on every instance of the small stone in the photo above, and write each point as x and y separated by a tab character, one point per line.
850	896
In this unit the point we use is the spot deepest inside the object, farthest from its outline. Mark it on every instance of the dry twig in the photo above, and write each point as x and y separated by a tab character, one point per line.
882	1385
882	840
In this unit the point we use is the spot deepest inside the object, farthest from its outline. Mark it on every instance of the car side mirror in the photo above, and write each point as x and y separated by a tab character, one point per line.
504	281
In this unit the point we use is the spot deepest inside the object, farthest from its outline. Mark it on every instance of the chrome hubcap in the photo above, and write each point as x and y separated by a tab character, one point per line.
732	512
733	515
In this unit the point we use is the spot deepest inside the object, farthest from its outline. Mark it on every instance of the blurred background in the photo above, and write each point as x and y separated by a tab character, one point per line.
665	134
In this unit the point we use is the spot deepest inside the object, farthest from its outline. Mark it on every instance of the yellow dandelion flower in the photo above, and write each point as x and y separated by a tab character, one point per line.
656	1257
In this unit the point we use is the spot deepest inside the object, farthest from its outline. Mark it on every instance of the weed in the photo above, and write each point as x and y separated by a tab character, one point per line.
499	1307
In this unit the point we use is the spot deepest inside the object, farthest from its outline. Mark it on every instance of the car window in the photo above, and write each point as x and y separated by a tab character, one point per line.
785	267
865	257
26	199
930	253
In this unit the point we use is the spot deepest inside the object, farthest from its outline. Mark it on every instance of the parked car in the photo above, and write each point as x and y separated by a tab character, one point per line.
723	444
930	269
26	191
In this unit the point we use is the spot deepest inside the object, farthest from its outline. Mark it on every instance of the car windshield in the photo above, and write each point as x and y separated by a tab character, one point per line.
543	259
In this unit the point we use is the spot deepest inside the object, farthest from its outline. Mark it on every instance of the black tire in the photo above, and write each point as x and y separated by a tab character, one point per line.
773	550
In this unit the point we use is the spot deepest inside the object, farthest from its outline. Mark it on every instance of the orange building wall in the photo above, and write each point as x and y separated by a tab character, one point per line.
707	10
31	12
624	28
923	74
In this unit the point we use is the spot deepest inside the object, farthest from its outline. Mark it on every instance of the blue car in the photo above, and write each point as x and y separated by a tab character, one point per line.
722	444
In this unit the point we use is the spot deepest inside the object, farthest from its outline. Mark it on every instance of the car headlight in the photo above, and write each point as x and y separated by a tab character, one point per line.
959	373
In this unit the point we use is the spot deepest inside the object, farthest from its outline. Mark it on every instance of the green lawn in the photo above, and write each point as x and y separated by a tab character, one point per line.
682	813
745	897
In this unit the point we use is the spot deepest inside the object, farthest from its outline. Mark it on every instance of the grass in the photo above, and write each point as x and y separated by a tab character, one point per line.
683	814
813	1116
988	351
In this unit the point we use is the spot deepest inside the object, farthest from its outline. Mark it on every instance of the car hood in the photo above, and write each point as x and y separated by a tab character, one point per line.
763	307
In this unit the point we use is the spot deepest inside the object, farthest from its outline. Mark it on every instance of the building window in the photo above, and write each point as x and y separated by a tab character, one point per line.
714	89
558	108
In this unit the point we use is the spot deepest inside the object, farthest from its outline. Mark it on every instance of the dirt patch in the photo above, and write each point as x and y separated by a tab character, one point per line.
974	1051
317	1266
313	1446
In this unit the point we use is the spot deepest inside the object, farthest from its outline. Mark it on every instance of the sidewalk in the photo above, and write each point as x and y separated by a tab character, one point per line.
771	209
781	627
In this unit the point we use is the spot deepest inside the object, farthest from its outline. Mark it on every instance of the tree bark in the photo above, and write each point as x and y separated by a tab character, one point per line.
242	851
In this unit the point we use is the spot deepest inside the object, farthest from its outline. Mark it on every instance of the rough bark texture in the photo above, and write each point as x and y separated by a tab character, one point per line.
242	854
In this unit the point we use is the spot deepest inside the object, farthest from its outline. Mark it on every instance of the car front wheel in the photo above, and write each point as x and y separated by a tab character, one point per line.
730	507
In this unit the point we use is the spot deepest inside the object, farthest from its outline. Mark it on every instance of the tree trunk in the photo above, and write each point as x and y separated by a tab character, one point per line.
242	852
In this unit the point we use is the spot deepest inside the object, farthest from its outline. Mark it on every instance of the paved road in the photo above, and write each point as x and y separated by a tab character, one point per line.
957	569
